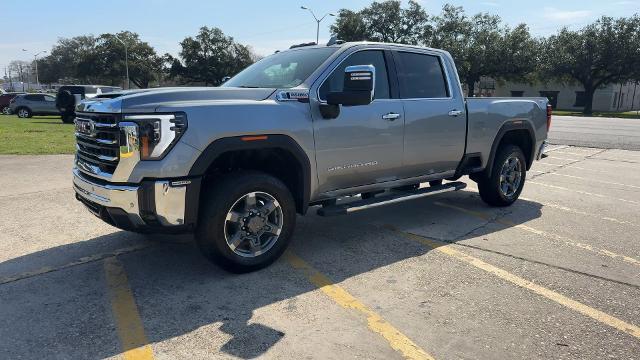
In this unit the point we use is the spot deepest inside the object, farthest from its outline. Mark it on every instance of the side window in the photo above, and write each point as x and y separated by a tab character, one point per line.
335	81
33	97
421	76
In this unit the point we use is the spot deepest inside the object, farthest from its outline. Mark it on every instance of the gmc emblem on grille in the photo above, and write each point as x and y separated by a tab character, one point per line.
87	128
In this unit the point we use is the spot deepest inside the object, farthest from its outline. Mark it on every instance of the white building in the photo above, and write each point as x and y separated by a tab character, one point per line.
613	97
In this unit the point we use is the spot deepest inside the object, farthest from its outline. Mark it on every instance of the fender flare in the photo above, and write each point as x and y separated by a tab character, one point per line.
504	129
256	142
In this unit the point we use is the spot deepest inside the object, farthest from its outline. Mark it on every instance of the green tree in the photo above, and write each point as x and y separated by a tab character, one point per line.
605	52
383	21
65	58
209	57
109	60
482	46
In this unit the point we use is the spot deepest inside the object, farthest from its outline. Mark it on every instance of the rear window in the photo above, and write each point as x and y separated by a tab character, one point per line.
421	76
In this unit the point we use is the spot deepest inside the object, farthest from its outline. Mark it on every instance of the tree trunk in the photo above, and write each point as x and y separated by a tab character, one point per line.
471	87
588	105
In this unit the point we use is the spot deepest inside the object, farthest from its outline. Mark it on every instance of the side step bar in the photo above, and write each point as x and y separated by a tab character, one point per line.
392	198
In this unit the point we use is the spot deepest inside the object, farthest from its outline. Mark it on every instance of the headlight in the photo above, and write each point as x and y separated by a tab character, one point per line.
158	133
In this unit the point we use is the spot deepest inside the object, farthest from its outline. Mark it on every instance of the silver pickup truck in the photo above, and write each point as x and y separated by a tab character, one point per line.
343	127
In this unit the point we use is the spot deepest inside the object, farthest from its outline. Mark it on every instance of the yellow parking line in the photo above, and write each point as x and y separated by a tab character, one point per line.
516	280
376	323
128	323
582	192
80	261
544	234
580	212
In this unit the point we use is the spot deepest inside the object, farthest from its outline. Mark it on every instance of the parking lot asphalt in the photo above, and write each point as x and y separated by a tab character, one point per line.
555	276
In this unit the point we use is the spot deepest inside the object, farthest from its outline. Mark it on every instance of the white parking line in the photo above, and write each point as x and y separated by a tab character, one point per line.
600	181
582	192
580	212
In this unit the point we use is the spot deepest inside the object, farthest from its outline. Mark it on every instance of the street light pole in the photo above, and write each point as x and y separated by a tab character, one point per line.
318	21
35	60
126	61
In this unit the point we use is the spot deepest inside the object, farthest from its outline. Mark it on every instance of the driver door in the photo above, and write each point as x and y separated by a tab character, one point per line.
364	144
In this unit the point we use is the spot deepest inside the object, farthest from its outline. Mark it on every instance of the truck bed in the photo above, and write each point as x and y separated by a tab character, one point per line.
486	116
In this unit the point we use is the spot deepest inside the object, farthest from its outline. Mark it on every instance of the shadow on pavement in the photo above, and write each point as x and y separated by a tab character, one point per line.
177	291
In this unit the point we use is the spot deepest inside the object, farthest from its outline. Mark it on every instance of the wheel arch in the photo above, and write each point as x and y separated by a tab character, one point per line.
516	132
258	152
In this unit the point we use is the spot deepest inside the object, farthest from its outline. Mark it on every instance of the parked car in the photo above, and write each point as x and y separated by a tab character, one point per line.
5	99
27	105
69	96
299	128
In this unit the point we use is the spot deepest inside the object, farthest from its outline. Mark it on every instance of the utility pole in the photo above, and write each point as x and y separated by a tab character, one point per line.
318	21
126	60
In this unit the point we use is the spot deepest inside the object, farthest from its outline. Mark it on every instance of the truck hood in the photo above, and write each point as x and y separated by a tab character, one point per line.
149	100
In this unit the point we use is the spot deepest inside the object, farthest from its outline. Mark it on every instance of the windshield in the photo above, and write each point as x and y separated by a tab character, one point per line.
282	70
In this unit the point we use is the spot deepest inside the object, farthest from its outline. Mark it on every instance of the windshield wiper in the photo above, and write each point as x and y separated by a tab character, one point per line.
249	87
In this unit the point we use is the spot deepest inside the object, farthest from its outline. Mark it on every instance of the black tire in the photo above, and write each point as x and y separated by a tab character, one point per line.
24	112
435	182
219	200
489	187
67	119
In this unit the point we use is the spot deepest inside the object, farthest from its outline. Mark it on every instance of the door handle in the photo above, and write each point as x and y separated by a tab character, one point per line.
390	116
455	112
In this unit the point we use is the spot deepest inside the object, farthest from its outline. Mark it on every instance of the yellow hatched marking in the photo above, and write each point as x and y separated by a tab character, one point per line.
129	326
581	308
545	234
376	323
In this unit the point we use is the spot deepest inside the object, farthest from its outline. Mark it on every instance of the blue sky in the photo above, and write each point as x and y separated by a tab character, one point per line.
36	25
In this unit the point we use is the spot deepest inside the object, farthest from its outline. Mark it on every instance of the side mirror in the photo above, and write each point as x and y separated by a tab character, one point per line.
358	89
225	79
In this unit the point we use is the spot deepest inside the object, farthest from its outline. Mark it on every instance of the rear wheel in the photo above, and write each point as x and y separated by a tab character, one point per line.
246	221
507	178
24	113
6	110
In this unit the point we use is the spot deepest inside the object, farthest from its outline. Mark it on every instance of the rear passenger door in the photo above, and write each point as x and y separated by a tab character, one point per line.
435	118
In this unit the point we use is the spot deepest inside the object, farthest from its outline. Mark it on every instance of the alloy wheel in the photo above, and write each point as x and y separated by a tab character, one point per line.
510	176
253	224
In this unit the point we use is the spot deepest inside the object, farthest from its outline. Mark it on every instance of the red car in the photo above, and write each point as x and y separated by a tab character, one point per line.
5	99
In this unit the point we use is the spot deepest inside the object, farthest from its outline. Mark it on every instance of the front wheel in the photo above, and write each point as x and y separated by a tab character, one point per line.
6	110
507	178
246	221
24	113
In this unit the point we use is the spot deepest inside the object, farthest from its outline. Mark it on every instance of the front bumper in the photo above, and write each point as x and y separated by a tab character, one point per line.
153	205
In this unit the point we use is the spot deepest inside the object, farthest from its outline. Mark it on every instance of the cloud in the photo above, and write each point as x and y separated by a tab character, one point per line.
564	16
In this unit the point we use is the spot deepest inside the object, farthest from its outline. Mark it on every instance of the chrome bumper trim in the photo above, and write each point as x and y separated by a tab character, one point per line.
117	196
170	203
170	198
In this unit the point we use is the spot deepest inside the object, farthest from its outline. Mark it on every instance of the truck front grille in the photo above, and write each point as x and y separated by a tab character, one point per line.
97	142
